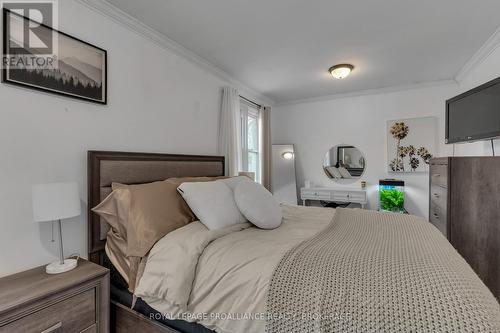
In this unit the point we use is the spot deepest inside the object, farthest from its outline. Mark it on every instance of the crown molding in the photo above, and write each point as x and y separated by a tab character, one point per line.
366	92
478	58
112	12
117	15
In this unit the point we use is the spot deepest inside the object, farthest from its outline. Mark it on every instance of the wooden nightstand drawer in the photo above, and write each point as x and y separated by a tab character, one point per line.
75	314
75	301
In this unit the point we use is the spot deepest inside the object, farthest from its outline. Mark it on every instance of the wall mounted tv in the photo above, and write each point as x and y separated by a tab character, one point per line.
475	114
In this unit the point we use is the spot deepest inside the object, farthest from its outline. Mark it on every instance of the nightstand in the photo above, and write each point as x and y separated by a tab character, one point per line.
75	301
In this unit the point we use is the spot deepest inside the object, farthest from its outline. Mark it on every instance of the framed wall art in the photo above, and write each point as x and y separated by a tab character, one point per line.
411	143
72	68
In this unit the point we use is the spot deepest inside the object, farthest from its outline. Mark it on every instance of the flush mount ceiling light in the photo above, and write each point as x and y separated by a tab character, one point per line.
288	155
341	71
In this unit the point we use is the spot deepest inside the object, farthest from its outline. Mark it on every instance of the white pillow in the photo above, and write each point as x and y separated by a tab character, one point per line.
258	205
345	174
212	202
334	172
233	181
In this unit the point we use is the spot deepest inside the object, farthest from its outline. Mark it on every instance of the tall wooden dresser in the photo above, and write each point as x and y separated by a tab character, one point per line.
464	204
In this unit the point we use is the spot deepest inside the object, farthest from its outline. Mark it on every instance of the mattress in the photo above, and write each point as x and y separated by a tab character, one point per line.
120	293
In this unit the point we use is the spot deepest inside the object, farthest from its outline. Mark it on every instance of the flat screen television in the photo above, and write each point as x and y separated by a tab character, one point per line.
475	114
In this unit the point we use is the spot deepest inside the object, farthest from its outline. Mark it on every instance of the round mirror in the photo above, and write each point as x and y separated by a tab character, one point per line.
344	163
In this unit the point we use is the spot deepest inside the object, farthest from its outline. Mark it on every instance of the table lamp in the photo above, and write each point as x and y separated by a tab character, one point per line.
55	202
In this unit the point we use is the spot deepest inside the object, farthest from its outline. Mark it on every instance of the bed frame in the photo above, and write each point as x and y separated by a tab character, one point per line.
106	167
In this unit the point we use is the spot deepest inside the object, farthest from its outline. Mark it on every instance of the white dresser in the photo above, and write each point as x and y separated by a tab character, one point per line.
331	194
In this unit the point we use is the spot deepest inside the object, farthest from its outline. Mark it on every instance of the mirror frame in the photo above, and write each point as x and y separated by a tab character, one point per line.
345	180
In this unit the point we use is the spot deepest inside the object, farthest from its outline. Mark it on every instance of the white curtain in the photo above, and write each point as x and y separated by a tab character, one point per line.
266	149
229	131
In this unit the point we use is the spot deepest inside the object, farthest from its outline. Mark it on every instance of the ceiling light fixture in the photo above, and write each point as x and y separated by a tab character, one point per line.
288	155
341	71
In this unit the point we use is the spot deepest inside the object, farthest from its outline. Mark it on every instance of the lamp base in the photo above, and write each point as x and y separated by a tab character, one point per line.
57	267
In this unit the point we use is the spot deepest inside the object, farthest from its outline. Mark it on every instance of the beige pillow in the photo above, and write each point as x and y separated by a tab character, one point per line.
114	209
140	215
155	210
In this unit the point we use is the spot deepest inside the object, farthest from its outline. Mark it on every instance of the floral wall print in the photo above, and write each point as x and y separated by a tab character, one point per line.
411	143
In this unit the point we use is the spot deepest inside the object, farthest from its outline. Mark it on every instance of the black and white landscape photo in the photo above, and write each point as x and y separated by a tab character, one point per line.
76	69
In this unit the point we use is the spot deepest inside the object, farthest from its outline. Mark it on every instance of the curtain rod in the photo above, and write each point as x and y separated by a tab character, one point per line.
249	101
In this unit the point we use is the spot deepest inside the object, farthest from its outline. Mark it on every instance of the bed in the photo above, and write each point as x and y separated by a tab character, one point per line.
322	270
106	167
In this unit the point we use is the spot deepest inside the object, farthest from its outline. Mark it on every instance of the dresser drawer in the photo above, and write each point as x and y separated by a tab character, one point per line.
346	196
438	217
439	174
75	314
439	197
311	194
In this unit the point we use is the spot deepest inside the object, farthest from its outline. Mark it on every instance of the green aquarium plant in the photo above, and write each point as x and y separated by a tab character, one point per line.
392	195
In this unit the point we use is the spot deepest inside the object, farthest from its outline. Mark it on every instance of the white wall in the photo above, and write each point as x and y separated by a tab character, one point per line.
361	121
158	102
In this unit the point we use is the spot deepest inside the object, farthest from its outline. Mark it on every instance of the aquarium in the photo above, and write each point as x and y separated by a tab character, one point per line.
392	195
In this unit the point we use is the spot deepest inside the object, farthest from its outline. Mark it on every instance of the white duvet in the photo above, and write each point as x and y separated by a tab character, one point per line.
220	278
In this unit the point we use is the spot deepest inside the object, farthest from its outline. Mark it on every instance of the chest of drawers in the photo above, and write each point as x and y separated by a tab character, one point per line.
464	204
438	199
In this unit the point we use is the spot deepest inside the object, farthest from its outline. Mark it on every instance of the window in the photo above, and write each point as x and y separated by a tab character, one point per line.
250	130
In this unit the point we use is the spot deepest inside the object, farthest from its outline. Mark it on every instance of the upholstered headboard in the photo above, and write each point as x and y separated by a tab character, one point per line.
105	167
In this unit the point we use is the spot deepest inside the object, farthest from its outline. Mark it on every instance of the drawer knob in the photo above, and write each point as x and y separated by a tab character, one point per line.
52	328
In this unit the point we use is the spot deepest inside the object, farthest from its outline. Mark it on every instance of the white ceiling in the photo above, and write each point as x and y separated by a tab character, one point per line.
283	48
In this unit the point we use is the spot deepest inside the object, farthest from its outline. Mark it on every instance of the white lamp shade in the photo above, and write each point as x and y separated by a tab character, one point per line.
55	201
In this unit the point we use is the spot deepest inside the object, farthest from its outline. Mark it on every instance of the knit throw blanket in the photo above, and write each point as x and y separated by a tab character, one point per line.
376	272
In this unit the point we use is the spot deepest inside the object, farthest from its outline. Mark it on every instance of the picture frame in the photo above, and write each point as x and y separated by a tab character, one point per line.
411	143
79	70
